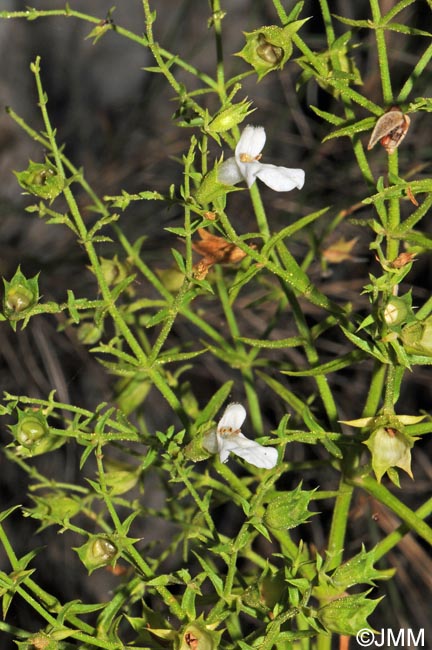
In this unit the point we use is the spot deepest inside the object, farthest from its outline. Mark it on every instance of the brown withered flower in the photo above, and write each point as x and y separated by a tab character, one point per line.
214	250
402	260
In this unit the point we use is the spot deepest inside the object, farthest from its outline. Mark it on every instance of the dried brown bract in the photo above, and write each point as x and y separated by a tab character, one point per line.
340	250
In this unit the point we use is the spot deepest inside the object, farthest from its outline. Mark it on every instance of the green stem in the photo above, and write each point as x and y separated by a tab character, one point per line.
70	199
147	273
282	15
188	165
415	74
165	67
390	389
389	542
4	539
292	273
232	480
220	70
313	358
375	390
384	496
119	321
382	53
325	12
311	353
203	507
34	14
425	309
174	310
260	212
137	557
393	222
246	371
322	71
339	525
49	601
76	634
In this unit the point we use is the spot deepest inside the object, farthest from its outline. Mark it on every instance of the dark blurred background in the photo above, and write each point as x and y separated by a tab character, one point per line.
115	120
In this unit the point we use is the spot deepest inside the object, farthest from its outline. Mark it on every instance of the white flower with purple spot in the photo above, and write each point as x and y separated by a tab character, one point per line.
245	165
228	438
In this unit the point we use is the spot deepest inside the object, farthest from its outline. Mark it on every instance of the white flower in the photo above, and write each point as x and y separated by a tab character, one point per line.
246	166
228	438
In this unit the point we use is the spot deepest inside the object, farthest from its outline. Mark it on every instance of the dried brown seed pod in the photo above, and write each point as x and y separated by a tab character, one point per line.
390	130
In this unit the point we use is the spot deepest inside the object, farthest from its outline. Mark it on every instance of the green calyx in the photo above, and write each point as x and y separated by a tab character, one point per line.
270	47
97	552
196	636
31	430
398	310
229	117
417	337
20	295
41	179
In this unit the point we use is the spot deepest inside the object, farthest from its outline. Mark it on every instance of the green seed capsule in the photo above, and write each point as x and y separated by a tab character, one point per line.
102	550
268	52
41	177
396	311
18	298
30	430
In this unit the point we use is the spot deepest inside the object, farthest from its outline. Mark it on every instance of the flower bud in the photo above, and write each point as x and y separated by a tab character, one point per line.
89	333
113	270
265	593
121	477
229	117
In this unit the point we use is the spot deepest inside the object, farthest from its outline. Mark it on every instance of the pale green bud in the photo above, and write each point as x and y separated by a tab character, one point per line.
229	117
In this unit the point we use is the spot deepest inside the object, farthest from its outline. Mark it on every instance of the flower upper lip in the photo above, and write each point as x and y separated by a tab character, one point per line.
245	165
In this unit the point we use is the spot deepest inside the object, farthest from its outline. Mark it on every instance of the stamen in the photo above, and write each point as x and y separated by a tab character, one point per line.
227	431
246	158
